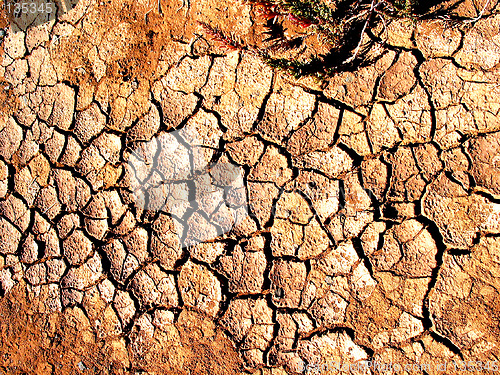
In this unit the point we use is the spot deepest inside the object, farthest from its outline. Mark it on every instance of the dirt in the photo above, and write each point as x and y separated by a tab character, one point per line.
64	343
168	206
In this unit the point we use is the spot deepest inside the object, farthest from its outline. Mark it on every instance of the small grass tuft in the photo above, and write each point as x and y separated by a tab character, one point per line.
320	37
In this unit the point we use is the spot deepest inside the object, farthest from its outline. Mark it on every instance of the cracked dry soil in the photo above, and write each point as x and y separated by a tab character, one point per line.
373	226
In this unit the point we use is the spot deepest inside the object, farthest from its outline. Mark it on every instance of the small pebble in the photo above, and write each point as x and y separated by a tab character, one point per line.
81	366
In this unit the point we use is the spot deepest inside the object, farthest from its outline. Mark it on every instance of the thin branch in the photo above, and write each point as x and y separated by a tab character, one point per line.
357	16
385	31
480	15
358	47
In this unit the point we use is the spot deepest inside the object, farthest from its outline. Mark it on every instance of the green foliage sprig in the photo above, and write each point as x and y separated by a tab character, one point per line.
344	27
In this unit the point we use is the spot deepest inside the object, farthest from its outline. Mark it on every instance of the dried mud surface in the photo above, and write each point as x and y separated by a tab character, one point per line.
373	226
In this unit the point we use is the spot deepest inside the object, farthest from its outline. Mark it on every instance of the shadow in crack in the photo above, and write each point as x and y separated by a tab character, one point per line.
456	9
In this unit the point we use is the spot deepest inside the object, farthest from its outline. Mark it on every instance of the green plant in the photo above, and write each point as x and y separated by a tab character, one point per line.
319	37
